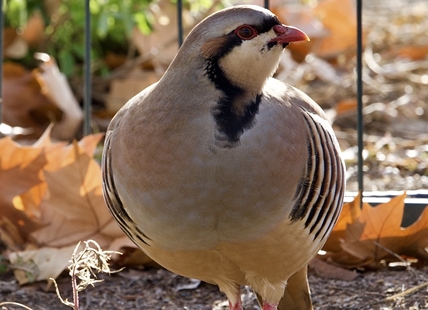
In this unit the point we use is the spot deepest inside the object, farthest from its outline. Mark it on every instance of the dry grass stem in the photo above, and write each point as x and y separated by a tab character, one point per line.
3	304
407	292
84	266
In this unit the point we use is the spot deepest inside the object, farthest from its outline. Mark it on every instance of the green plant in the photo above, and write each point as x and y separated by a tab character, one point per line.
4	265
111	28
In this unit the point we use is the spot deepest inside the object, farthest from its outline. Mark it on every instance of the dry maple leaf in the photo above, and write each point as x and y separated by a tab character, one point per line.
349	214
31	199
376	234
339	18
58	185
75	209
89	143
57	156
22	186
24	104
20	169
40	264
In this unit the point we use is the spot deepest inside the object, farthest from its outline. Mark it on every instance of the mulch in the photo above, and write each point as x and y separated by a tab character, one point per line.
157	288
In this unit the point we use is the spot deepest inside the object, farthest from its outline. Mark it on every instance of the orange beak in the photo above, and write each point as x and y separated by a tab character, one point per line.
287	34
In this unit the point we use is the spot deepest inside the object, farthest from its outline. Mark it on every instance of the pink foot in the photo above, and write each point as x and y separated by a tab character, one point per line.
236	306
236	303
268	306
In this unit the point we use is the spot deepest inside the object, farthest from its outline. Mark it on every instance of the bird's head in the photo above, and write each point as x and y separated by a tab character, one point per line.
244	43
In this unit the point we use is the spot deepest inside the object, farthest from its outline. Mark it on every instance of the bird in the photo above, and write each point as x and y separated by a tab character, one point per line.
222	173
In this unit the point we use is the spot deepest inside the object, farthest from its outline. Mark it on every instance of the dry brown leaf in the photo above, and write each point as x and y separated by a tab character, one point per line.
350	213
9	234
328	271
377	235
90	142
20	169
75	209
377	226
51	194
54	85
33	32
58	155
24	104
330	24
31	199
22	185
346	106
41	264
413	52
339	18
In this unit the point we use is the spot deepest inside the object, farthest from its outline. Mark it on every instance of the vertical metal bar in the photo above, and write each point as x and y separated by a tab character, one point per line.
360	121
179	21
87	88
266	4
1	59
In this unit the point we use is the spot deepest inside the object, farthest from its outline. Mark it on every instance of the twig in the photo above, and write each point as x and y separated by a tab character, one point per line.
14	304
408	268
65	302
407	292
354	291
74	281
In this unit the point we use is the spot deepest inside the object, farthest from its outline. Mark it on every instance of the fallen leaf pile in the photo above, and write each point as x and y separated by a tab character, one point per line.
51	198
35	99
25	105
371	235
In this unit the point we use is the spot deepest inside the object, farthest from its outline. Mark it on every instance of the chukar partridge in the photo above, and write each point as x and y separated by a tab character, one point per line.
222	173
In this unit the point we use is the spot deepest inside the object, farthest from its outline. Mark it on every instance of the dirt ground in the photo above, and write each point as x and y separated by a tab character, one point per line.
156	288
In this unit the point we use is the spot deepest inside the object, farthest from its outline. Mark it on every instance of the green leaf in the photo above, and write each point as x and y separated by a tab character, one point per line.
78	50
4	266
127	22
104	71
66	62
16	13
102	25
142	23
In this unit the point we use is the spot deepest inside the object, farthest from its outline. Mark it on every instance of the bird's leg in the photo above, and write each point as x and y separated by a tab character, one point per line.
269	306
235	302
236	306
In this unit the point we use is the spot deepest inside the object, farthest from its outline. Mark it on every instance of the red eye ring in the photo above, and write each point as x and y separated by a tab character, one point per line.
246	32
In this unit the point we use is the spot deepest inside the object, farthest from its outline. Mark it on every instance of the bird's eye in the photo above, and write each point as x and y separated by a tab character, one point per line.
246	32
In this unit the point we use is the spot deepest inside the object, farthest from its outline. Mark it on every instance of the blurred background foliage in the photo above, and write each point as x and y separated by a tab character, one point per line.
112	24
63	35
